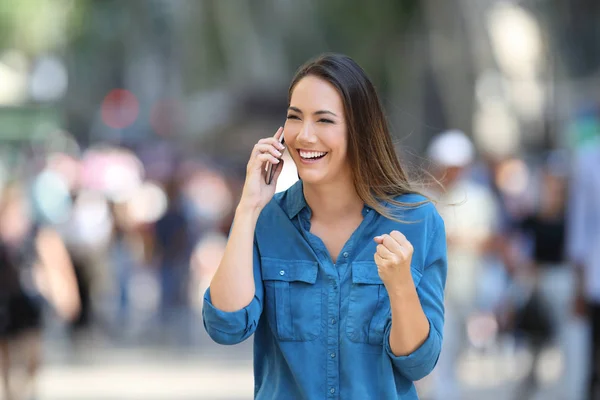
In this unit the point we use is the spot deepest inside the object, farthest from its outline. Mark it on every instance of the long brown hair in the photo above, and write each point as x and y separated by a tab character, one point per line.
377	172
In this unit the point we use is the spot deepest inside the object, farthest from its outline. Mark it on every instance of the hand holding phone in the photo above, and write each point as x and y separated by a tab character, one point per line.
263	167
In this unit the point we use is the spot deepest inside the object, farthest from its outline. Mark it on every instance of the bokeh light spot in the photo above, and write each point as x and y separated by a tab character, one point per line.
120	108
163	117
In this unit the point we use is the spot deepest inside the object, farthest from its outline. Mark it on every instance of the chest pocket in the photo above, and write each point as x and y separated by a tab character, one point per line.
369	305
292	298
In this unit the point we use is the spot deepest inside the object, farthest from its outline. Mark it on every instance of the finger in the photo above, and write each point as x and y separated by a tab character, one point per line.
379	260
401	239
278	134
266	157
385	253
398	244
378	239
267	148
275	140
260	161
382	262
392	245
400	252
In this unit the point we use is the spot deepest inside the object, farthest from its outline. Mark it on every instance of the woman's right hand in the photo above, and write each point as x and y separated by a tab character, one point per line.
256	193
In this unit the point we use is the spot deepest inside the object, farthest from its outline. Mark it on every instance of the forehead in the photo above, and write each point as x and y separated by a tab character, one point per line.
312	94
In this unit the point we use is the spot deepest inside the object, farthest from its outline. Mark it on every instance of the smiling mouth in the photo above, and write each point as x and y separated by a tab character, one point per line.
311	155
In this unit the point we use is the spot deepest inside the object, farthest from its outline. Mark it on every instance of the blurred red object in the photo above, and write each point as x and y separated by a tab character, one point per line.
120	108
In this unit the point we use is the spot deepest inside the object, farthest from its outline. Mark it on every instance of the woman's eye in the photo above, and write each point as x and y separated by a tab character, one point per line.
292	117
325	120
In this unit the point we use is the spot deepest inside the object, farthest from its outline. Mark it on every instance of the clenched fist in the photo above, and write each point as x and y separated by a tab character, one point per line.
393	257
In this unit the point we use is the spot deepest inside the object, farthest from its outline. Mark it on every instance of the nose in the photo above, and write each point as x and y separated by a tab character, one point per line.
307	133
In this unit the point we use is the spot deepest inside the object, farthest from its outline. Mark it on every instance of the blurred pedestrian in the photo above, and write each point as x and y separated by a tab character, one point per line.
126	253
550	276
584	250
470	213
172	255
34	265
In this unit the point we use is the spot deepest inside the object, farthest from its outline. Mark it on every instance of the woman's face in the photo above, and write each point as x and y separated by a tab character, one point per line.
315	132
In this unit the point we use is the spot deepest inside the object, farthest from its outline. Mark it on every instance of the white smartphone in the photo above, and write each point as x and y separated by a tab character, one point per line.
271	167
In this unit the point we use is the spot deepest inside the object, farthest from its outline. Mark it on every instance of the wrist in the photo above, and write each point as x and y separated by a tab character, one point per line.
249	210
401	289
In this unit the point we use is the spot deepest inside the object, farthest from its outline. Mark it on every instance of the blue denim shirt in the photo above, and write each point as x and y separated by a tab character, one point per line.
321	330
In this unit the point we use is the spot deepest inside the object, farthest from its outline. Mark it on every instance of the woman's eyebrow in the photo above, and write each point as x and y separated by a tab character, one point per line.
320	112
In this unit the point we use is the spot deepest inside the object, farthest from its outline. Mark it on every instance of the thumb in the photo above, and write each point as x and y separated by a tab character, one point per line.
378	239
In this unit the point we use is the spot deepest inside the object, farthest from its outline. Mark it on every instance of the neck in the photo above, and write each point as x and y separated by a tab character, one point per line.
333	201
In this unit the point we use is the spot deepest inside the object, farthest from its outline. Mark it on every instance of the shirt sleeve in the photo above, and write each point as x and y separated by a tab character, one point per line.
421	362
234	327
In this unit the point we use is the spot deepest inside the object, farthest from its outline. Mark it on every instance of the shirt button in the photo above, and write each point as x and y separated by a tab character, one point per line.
282	272
346	254
332	321
332	355
332	390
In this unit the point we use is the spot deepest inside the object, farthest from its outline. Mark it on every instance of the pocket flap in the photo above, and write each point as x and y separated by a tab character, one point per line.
289	270
365	272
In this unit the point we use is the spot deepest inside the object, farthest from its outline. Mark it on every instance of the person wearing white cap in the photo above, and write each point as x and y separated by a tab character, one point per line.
451	149
470	213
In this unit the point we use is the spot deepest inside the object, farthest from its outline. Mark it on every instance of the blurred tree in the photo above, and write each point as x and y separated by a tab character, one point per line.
369	33
576	34
33	26
226	60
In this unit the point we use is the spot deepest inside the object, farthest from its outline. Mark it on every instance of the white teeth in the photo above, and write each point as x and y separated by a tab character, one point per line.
311	154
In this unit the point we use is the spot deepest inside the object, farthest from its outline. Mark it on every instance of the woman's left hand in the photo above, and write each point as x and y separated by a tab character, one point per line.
393	257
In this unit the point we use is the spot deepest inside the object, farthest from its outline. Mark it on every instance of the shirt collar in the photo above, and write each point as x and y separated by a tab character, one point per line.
294	200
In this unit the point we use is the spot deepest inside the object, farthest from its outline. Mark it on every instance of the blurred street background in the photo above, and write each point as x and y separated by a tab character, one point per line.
125	128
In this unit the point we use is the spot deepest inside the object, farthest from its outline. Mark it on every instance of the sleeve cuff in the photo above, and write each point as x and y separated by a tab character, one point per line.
233	322
424	357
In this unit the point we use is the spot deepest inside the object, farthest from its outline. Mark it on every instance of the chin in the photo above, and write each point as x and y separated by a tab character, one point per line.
323	174
311	177
315	178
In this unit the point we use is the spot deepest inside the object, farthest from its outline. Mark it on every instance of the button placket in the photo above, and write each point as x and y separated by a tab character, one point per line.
333	336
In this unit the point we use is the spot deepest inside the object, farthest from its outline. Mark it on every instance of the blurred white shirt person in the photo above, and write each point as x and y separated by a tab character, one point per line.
470	213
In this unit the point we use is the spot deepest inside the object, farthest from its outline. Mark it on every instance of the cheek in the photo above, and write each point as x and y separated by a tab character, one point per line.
339	142
290	130
286	127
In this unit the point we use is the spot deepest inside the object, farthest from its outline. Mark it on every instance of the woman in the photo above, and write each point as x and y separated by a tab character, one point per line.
340	277
33	265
